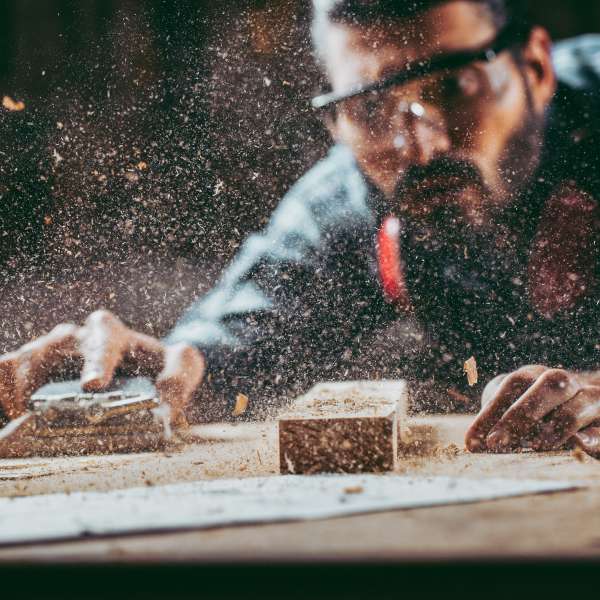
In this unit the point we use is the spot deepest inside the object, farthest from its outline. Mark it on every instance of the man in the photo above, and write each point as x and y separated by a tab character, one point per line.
455	216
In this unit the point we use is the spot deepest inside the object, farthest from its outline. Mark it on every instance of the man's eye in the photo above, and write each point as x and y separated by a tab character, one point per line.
461	86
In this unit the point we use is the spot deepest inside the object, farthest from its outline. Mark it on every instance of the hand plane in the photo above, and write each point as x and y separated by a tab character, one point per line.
77	423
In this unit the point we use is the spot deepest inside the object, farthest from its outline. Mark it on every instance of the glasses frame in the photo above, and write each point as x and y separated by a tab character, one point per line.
509	36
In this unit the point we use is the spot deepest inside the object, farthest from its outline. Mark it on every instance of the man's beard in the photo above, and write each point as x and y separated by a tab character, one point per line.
427	192
467	280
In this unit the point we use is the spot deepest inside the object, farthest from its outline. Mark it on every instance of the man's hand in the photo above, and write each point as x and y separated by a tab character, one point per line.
539	408
97	349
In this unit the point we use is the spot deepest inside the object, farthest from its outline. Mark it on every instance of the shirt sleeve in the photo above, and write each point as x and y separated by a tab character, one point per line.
289	307
577	62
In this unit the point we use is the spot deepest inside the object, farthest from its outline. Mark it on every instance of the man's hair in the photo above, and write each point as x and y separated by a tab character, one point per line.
373	12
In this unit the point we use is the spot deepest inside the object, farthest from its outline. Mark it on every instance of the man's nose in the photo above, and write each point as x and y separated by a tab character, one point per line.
427	137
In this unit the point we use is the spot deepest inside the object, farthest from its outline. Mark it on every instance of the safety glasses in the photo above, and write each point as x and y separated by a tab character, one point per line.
508	37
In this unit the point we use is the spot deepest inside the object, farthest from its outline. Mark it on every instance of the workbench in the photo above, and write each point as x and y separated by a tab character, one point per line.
558	525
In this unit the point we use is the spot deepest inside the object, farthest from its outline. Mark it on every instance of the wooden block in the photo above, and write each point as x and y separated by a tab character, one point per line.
346	427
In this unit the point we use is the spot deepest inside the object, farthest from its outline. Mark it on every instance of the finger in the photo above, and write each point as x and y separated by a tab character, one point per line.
11	396
589	440
572	416
551	389
103	341
181	375
504	391
25	370
144	355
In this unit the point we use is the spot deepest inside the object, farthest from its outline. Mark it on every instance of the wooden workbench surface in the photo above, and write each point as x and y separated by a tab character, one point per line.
556	525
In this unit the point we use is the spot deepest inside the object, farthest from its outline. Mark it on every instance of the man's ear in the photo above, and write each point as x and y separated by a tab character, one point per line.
539	71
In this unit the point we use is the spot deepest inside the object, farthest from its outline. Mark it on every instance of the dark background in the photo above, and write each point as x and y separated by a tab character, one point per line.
156	135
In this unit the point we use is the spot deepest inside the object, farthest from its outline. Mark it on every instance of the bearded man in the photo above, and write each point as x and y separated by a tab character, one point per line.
455	216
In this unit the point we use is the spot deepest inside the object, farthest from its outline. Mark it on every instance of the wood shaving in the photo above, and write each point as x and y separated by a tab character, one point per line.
241	404
290	464
579	455
14	106
470	369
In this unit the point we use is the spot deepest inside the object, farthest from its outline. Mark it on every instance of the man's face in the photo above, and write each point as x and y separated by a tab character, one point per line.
458	143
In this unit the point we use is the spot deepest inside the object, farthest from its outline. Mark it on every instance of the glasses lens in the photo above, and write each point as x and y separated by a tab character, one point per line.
454	94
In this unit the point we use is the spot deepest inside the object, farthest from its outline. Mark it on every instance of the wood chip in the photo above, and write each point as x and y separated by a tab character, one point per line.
290	464
12	105
579	455
241	404
471	371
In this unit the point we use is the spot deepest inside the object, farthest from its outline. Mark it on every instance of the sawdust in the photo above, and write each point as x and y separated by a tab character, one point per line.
427	449
449	451
343	400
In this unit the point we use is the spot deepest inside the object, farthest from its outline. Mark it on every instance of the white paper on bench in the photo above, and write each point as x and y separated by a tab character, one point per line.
229	502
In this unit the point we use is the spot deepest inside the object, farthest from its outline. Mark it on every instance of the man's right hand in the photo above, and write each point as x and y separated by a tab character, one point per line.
97	349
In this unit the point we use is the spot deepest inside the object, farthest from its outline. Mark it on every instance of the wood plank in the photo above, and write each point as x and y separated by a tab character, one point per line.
564	525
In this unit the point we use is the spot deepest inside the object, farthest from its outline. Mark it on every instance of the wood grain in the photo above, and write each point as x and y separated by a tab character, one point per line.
349	427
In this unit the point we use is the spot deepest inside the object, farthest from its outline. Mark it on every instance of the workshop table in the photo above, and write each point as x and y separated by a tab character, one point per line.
557	525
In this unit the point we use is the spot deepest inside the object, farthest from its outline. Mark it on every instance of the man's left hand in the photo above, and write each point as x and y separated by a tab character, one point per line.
539	408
